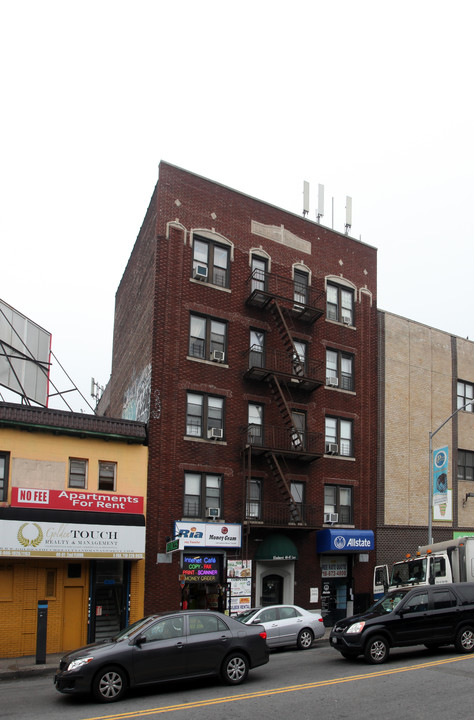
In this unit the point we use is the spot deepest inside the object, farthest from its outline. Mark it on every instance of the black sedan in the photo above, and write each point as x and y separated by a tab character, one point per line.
164	647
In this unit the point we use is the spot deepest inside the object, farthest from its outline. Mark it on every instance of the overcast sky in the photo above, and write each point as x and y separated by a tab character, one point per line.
371	98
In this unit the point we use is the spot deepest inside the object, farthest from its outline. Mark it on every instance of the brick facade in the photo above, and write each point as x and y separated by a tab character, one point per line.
152	326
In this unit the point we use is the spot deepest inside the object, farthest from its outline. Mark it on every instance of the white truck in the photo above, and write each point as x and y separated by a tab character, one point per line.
442	562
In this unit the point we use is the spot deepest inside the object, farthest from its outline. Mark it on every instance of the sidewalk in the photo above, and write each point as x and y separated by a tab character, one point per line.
11	668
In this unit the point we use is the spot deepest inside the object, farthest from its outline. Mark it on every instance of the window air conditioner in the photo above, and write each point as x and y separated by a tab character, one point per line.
217	356
331	517
213	512
215	433
331	448
200	272
332	381
346	319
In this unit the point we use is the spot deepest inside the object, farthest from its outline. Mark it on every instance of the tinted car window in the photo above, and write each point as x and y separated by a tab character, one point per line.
164	629
443	599
416	603
288	612
206	624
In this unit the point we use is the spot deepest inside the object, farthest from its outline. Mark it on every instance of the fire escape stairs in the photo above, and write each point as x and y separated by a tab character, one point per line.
286	337
282	482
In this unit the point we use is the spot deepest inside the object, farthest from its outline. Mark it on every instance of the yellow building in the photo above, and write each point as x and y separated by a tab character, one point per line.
72	526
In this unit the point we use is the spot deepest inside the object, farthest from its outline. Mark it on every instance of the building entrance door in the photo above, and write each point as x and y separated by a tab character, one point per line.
109	597
272	590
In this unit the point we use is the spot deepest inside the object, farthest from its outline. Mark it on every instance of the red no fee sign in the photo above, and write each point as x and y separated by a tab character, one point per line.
76	500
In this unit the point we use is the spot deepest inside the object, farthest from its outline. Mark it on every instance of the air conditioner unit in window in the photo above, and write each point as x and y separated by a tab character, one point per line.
200	272
346	319
213	512
331	517
331	448
215	433
332	381
217	356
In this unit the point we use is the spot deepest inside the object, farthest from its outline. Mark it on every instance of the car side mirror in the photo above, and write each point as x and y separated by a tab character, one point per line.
139	640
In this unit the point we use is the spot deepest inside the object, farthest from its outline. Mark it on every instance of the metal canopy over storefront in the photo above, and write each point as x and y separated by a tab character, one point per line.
344	541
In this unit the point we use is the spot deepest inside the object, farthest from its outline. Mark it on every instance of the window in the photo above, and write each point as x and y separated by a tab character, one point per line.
204	414
165	630
443	599
107	475
338	499
201	491
417	603
4	463
340	369
199	624
339	436
299	357
206	336
259	273
300	293
465	393
465	465
340	304
255	424
211	262
297	493
77	473
254	500
257	349
298	431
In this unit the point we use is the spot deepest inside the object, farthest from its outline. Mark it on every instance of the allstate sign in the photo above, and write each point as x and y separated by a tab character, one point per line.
333	540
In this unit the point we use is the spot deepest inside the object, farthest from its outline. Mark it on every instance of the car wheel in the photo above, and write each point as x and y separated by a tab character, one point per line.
376	650
465	640
109	684
235	669
305	639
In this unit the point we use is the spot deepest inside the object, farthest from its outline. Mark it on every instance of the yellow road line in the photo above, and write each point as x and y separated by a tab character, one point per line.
277	691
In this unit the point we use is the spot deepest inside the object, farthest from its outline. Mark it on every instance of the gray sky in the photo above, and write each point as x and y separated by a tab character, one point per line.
371	98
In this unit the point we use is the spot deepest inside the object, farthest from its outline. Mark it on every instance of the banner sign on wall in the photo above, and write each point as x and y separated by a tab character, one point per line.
76	500
442	508
71	540
208	534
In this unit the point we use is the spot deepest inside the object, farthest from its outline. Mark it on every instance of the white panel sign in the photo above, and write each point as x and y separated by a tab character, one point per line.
199	534
47	539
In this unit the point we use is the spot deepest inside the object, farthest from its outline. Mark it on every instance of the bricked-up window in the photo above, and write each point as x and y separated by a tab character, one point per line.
77	473
205	416
107	475
338	499
465	393
210	262
465	465
339	304
340	369
202	495
4	464
207	338
339	436
254	499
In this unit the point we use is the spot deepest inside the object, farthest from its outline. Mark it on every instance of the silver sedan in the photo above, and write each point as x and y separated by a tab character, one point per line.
286	624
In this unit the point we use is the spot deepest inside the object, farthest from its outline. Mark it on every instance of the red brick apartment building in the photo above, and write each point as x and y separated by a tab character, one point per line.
246	336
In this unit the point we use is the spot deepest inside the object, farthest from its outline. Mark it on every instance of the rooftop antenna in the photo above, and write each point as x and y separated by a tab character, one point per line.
305	198
320	211
348	224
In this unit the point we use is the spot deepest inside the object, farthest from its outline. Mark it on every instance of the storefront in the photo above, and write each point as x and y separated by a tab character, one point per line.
275	570
340	551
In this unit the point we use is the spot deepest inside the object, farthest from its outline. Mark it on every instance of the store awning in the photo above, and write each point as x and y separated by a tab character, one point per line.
277	547
344	541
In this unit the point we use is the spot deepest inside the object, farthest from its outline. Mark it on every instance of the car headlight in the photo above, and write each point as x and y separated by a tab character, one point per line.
75	664
356	628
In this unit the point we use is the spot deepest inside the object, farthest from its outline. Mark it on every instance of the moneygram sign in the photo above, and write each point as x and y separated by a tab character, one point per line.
76	500
208	534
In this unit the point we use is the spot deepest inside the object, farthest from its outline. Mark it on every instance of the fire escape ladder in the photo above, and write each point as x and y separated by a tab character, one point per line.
287	338
283	485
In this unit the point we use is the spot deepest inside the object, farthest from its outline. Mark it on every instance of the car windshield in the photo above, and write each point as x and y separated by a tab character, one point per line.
246	615
388	602
132	629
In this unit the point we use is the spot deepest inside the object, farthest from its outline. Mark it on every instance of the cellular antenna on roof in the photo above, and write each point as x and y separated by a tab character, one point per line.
348	224
320	210
305	198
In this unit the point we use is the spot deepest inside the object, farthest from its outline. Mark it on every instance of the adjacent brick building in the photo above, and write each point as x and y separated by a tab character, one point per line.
247	337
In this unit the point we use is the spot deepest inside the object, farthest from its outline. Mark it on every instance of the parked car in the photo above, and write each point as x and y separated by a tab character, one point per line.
432	615
285	624
164	647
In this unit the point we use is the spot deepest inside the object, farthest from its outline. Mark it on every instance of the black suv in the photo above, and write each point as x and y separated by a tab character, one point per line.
430	615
